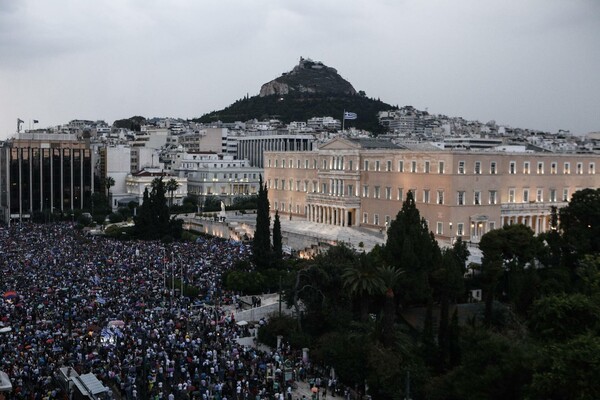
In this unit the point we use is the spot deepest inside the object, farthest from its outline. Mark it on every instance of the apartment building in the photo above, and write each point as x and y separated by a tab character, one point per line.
350	182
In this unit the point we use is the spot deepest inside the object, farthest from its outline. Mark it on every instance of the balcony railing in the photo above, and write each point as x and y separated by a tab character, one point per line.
331	200
531	207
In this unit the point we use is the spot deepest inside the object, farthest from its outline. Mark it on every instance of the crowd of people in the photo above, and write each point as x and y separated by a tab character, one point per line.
112	308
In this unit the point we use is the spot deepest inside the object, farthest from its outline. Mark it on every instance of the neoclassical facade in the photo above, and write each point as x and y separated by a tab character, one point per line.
363	182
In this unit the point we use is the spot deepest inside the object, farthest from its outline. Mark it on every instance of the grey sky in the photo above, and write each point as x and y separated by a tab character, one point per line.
526	63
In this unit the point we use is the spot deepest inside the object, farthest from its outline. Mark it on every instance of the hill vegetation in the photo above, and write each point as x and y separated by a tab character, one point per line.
301	107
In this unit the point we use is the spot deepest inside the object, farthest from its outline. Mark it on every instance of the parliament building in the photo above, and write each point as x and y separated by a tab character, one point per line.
460	193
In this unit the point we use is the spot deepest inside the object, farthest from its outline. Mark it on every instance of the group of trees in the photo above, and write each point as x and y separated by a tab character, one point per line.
265	254
378	316
153	220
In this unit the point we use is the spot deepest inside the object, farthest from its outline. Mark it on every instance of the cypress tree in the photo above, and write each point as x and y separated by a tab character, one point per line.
277	239
261	243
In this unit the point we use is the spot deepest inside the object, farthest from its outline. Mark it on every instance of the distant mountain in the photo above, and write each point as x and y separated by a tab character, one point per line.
310	89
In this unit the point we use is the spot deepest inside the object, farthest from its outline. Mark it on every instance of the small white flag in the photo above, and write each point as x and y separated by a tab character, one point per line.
350	115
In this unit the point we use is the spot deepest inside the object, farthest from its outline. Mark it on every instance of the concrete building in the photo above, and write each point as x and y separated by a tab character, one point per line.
206	139
350	182
43	172
253	146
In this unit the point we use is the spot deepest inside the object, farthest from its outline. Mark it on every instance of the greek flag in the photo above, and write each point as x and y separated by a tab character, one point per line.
349	115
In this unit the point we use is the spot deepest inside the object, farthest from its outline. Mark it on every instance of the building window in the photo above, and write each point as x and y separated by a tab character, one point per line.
323	188
324	164
553	195
565	194
276	184
298	185
441	167
366	165
426	196
365	191
553	168
461	167
460	229
439	230
400	194
511	195
283	184
306	163
282	163
276	204
269	163
493	197
579	168
540	195
305	188
388	165
377	167
460	198
477	198
592	169
400	166
365	218
388	193
413	166
540	168
525	195
512	167
376	219
526	168
567	168
493	168
426	167
388	220
376	194
298	164
350	190
314	163
477	167
440	197
491	226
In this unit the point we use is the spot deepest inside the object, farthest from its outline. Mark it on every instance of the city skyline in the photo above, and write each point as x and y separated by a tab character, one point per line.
524	64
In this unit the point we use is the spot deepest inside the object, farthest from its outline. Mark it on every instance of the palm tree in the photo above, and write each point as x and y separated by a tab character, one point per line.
171	187
390	277
362	280
109	182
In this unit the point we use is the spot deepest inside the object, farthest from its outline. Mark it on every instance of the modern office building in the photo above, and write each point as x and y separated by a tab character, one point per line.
350	182
45	172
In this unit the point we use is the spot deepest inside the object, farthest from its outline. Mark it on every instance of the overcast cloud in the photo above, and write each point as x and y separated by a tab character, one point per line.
528	63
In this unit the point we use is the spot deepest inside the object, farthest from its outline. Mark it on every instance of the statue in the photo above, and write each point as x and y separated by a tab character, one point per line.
222	214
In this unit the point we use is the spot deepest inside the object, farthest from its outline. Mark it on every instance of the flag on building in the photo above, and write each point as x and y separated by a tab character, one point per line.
20	121
35	121
350	115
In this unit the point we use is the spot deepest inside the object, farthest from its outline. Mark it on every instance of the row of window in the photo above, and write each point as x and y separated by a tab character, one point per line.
338	163
425	196
566	168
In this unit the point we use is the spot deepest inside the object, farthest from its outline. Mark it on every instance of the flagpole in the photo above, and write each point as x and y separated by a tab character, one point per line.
343	120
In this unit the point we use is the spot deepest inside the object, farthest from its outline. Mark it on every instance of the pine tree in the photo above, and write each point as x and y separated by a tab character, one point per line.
411	247
261	243
277	239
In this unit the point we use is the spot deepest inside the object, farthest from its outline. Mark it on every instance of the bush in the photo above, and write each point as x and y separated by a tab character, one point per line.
116	217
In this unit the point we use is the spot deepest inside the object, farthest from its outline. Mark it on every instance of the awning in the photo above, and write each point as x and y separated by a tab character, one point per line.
5	385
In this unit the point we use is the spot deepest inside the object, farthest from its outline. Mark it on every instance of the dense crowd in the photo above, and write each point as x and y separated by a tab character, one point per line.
110	308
